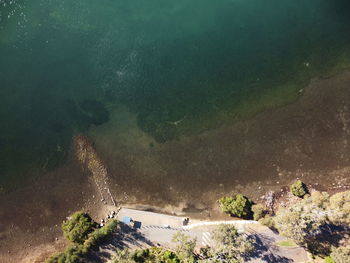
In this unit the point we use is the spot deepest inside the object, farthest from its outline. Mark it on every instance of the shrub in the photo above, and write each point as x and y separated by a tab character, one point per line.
239	205
141	255
231	246
72	254
329	260
258	211
226	235
184	247
268	221
122	256
100	235
169	256
153	255
77	227
341	255
340	208
301	221
76	253
298	188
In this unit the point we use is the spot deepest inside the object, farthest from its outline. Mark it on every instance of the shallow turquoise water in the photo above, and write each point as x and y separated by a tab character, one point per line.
199	63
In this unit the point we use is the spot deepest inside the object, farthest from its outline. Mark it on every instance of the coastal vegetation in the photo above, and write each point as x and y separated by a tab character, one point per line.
268	221
149	255
340	255
231	246
184	252
184	247
317	221
298	188
314	217
259	211
85	236
239	205
77	227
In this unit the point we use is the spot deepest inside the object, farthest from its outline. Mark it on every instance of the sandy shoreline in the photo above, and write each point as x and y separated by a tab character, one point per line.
308	139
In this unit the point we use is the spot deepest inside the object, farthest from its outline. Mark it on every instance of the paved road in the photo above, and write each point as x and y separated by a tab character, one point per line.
164	236
150	218
237	223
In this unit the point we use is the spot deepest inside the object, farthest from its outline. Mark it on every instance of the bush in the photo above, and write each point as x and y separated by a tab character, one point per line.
77	227
122	256
141	256
153	255
239	205
268	221
340	208
258	211
100	235
76	253
72	254
298	188
231	246
341	255
329	260
184	247
301	221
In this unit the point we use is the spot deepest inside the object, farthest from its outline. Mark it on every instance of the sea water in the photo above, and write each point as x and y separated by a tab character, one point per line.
181	67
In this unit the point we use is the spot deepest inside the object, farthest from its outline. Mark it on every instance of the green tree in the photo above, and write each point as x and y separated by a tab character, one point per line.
148	255
100	235
123	256
184	247
230	246
298	188
238	205
78	230
77	227
302	220
339	207
72	254
142	256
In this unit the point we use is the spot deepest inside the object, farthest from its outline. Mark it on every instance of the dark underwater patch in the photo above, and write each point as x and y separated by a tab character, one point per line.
95	110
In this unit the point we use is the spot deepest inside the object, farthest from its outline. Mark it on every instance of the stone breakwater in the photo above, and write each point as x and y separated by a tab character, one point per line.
89	159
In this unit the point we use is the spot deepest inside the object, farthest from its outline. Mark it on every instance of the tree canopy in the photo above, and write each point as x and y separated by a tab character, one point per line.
77	227
298	188
238	205
302	220
148	255
230	246
184	247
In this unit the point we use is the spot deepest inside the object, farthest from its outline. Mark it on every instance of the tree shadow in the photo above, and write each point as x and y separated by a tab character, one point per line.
262	245
125	238
259	248
328	236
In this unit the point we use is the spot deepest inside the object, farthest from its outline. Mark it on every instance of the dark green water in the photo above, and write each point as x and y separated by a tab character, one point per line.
65	64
